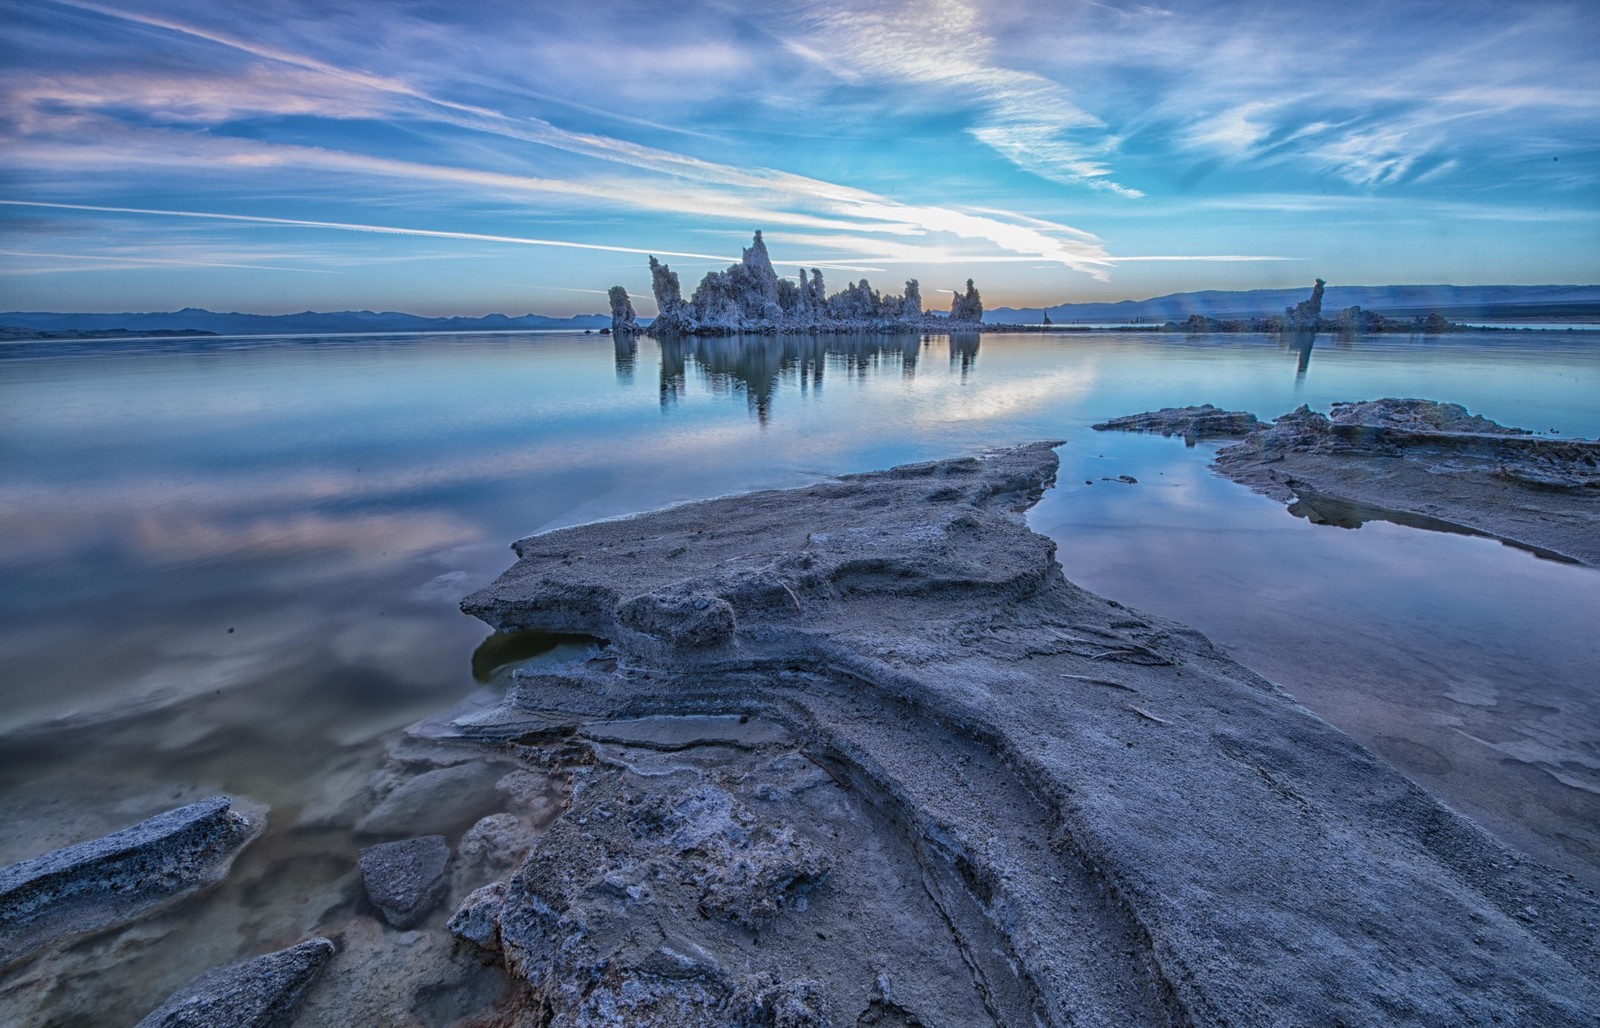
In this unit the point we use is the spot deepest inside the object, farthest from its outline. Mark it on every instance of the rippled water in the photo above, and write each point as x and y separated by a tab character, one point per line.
233	565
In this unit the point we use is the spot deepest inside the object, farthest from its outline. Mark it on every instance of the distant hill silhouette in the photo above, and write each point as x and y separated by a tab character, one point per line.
193	318
1456	302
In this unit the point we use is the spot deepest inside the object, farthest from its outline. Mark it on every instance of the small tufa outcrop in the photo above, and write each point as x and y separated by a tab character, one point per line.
967	307
1306	315
623	320
911	306
672	314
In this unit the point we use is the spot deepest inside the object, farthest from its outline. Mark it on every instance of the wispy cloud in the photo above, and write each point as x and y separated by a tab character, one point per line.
391	230
759	195
1028	119
1240	84
879	133
126	261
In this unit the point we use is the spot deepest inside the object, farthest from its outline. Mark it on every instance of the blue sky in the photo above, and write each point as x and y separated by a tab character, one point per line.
283	155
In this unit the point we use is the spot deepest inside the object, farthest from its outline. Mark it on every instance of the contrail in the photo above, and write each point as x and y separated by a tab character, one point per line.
344	226
160	260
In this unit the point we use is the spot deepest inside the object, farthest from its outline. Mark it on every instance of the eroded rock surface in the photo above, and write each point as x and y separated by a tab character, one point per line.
749	297
1429	460
925	779
405	879
1193	423
259	992
623	319
117	879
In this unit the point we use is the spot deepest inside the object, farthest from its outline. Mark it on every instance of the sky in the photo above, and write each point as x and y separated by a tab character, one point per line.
516	157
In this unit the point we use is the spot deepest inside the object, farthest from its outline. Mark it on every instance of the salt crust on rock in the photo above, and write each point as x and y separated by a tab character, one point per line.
258	992
974	793
1431	460
119	878
1418	462
405	879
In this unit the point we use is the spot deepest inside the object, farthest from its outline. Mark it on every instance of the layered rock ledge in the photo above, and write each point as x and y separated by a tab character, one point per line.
859	753
1419	462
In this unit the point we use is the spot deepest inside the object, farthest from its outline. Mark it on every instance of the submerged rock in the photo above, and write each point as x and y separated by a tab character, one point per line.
975	788
259	992
406	879
1193	423
121	877
1431	460
445	799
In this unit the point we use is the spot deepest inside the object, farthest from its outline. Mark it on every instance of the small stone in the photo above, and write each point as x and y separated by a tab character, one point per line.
405	879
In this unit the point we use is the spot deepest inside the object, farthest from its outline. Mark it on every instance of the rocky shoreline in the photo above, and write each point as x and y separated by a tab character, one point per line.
1418	462
858	753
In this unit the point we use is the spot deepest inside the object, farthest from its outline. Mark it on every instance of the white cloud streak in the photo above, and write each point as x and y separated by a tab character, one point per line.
124	261
342	226
770	196
1028	119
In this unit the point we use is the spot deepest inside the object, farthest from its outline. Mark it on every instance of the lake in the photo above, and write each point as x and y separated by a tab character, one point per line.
233	564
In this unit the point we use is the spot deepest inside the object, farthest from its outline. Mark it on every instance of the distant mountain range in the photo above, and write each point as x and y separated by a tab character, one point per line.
1456	302
313	322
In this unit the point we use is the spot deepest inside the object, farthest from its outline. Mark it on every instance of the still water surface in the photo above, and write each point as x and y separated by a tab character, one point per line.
233	565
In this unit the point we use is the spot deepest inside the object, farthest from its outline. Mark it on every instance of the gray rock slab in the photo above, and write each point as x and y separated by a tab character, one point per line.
258	992
1430	464
406	879
1193	423
1113	822
121	877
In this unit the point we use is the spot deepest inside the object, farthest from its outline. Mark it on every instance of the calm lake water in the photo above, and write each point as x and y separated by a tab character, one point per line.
233	565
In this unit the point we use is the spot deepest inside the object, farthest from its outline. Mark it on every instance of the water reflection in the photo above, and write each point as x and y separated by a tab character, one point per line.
627	356
964	352
757	366
1320	509
1302	341
330	501
503	650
